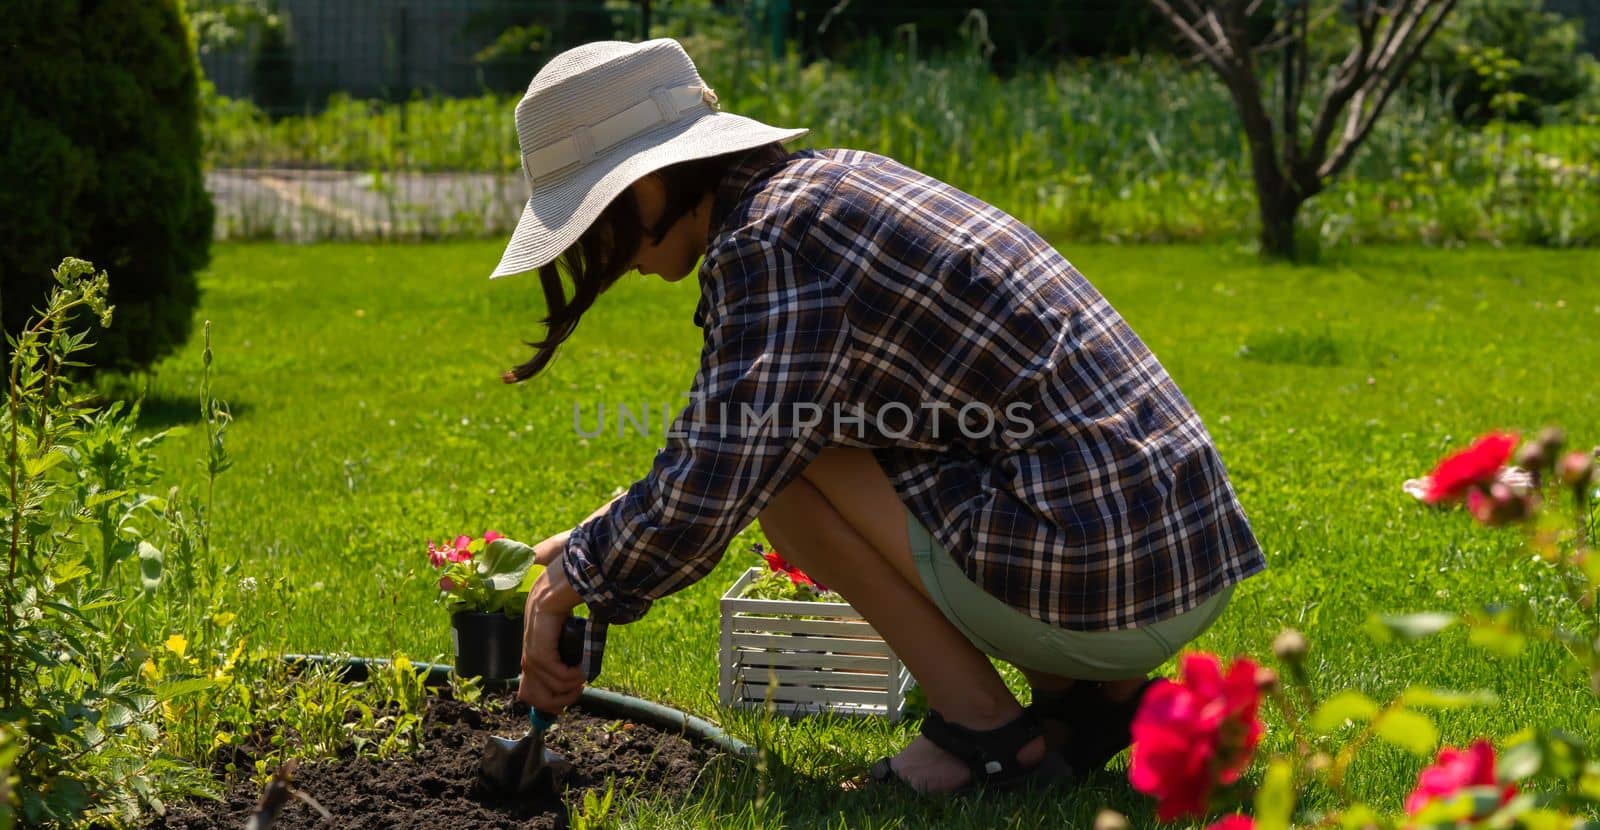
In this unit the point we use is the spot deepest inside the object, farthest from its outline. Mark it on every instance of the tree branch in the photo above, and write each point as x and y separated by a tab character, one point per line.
1386	83
1346	83
1206	49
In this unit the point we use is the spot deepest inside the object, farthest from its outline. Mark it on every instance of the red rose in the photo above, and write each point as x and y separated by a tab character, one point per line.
1454	770
1196	733
1475	465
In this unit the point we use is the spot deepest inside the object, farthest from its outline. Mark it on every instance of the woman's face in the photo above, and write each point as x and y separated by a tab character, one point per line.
675	256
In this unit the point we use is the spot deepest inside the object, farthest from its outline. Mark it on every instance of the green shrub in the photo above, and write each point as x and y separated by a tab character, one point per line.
272	71
1020	32
101	157
1545	48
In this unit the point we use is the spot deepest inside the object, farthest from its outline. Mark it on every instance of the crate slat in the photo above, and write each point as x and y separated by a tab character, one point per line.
815	677
833	628
772	607
801	694
859	662
832	645
792	709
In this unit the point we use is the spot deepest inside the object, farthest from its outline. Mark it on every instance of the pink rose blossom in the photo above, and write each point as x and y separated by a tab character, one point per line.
435	555
1196	733
1454	770
490	536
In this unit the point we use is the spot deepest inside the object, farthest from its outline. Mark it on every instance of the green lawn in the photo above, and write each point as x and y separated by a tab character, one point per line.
370	418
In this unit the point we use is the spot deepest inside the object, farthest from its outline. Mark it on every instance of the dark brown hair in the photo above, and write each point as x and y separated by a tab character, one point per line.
605	250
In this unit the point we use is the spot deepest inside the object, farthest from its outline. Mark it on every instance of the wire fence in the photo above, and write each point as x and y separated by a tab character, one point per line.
393	119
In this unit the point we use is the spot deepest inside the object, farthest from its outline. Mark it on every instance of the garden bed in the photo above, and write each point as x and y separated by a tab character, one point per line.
440	787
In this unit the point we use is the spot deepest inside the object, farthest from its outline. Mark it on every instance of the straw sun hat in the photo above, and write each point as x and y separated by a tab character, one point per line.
599	117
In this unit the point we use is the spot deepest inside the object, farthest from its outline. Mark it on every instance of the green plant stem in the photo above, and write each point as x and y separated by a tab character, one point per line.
13	456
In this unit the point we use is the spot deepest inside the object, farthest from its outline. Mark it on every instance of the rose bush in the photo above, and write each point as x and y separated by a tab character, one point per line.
1193	738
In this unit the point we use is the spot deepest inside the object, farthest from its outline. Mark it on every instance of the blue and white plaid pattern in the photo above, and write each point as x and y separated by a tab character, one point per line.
844	279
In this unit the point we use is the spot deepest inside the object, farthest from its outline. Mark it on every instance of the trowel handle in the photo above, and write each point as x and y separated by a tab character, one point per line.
570	648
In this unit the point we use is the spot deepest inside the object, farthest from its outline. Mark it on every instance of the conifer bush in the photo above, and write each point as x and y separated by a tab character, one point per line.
101	158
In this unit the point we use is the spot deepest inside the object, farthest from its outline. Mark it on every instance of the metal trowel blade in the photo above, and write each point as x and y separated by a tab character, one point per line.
524	765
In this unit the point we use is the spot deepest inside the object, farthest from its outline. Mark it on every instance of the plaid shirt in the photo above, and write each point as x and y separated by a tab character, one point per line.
846	281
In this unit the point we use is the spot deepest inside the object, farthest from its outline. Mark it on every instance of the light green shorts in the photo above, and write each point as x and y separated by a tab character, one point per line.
1004	632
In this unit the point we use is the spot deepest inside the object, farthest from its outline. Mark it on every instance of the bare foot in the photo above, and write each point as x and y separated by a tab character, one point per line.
929	769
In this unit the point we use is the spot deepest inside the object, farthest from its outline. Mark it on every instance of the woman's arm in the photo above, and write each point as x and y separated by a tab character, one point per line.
546	551
778	345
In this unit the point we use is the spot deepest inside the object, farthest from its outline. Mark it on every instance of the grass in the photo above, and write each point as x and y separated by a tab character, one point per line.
370	418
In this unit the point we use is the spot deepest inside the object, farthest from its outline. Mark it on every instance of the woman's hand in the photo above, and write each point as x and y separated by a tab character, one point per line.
548	684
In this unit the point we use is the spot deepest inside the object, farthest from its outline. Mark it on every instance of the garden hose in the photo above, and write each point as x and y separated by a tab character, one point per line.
612	704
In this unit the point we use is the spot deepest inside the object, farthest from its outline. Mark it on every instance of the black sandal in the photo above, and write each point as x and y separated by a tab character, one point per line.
1097	728
991	755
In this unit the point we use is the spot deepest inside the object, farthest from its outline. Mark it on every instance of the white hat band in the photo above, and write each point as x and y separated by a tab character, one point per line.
664	106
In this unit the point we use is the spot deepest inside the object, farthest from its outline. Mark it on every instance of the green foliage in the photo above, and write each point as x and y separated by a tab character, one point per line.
521	36
1508	59
1115	151
133	657
221	24
596	810
8	756
1018	32
87	741
102	158
272	72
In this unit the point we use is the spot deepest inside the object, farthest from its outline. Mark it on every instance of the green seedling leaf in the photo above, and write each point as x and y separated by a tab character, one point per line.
1342	708
1418	697
1411	731
1412	626
1275	799
179	688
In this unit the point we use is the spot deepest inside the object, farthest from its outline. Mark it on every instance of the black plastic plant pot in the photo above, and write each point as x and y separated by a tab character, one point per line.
487	646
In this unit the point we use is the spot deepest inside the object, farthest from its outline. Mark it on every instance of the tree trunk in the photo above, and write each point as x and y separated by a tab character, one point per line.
1279	207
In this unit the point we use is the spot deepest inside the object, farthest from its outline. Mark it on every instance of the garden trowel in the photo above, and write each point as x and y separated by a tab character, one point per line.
525	765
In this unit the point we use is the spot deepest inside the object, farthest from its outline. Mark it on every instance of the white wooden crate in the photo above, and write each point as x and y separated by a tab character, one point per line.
833	661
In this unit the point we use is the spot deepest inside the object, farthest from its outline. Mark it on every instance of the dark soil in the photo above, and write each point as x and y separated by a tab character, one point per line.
440	787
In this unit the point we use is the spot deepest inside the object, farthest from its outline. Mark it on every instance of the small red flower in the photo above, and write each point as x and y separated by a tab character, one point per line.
1234	822
436	556
490	536
1454	770
460	550
1500	504
797	576
1476	465
1196	733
